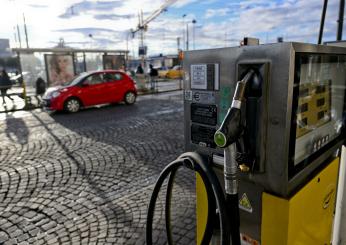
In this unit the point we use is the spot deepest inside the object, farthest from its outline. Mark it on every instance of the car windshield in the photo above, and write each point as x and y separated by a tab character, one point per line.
76	79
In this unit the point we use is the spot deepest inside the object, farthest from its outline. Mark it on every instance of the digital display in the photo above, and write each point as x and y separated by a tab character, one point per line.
313	101
318	107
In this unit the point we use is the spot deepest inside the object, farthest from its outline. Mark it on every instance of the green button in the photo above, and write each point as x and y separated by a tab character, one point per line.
219	139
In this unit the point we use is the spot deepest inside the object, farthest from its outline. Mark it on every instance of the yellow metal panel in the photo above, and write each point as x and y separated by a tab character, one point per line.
304	219
201	207
312	208
274	226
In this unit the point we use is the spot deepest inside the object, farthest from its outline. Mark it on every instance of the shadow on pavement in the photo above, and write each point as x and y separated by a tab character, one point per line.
111	210
16	129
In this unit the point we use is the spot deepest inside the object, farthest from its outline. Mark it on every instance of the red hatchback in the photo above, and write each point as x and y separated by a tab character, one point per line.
91	88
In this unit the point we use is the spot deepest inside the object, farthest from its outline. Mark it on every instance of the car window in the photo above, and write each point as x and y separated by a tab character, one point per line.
94	79
113	77
108	77
118	76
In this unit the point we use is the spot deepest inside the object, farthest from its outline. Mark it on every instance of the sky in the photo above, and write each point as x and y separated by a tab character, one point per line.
218	23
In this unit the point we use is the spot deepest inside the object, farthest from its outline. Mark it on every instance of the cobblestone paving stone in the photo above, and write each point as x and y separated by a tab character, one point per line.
86	178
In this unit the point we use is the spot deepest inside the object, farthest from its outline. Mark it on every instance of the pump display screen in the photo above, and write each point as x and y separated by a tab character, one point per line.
314	106
318	103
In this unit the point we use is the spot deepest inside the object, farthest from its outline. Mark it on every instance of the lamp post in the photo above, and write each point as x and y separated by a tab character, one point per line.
193	33
91	40
184	39
187	36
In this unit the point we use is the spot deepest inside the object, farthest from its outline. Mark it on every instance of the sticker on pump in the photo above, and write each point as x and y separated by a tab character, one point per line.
244	203
188	95
205	76
199	76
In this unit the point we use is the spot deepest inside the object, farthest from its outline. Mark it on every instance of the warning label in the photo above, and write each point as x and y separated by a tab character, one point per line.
244	203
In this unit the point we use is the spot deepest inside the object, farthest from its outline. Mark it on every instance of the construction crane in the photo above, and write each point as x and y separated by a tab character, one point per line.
143	24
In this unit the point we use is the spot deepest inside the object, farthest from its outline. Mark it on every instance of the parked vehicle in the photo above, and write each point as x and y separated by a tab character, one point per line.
162	71
175	73
91	88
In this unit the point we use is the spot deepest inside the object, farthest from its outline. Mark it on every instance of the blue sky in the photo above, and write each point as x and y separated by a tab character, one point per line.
218	23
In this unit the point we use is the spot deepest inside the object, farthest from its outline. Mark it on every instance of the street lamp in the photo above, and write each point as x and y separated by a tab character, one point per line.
193	33
184	39
187	36
91	40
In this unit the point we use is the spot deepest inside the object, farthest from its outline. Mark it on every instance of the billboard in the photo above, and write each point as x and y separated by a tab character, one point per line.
113	62
60	69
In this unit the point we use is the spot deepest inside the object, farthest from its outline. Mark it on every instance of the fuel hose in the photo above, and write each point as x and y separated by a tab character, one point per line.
194	162
211	209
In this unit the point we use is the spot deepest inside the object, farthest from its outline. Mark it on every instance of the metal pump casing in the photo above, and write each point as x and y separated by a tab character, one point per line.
274	171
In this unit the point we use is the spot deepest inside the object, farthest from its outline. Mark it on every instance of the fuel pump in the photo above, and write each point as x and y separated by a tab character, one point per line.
263	127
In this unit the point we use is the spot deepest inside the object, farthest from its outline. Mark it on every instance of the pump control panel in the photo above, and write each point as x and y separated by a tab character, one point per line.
294	111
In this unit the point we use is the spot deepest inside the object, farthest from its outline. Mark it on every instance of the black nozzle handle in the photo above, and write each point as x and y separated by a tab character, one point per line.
231	127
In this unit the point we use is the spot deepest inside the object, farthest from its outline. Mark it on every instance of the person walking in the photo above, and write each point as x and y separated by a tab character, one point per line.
5	84
153	76
40	89
139	69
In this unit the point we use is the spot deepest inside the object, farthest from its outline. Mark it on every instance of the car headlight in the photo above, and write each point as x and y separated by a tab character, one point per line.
55	94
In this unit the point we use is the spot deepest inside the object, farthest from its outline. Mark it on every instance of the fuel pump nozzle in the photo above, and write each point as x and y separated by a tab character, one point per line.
231	127
225	137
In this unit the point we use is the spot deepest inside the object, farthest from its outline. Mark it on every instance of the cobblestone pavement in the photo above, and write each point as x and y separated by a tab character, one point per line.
86	178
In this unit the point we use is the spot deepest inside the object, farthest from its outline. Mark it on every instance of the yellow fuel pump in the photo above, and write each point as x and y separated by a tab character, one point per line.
293	118
264	126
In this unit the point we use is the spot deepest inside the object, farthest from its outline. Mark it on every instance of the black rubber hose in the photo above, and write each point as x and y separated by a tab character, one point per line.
195	162
151	209
208	233
205	169
168	206
232	206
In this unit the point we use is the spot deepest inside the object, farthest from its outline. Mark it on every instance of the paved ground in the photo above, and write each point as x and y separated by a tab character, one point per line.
86	178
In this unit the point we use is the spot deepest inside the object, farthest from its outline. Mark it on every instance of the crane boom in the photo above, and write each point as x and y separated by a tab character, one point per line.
142	25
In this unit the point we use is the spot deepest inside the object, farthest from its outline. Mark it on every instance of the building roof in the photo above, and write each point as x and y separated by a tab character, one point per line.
67	50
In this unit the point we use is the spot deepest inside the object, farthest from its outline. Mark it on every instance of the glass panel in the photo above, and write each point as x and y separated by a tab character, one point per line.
320	102
32	66
94	61
79	63
113	62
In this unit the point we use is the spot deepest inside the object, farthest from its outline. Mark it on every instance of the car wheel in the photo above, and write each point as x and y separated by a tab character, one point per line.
72	105
130	98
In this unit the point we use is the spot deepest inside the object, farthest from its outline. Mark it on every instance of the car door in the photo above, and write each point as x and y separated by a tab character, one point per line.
93	90
115	86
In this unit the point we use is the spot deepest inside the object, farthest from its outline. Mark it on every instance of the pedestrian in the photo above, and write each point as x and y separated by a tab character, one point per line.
139	69
40	88
153	76
5	84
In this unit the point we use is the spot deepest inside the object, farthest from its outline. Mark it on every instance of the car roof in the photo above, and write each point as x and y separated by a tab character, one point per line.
102	71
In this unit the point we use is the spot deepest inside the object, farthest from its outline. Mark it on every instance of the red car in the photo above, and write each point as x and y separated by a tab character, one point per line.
91	88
